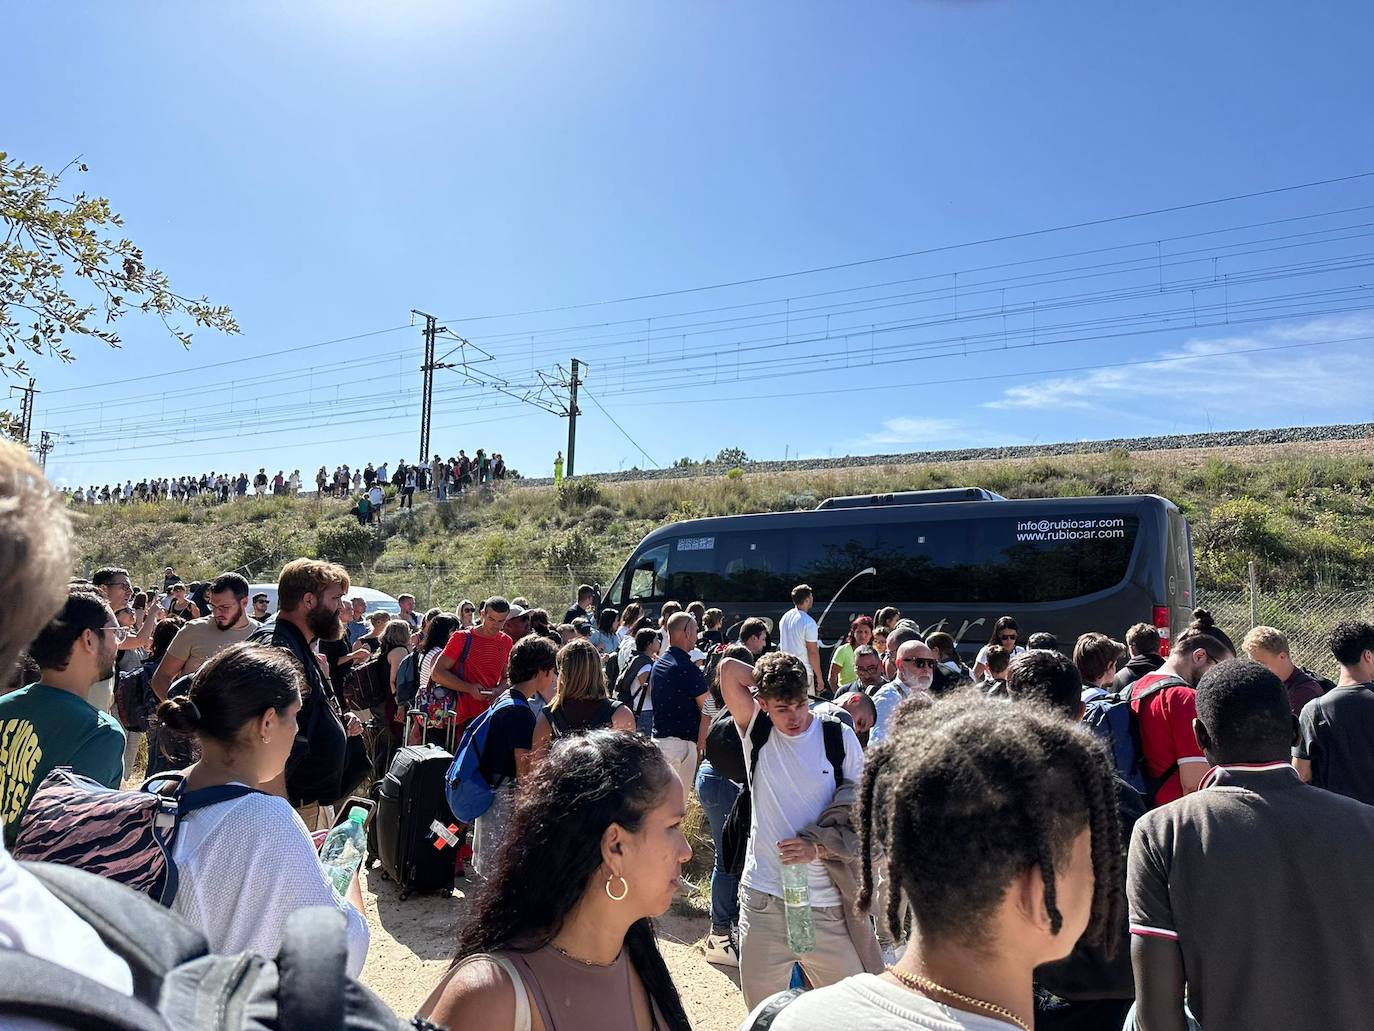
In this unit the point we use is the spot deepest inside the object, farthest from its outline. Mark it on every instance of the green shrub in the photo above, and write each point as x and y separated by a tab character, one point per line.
579	494
573	549
735	474
345	541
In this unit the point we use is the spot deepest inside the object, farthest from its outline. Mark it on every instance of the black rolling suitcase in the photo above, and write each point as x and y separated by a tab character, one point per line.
416	831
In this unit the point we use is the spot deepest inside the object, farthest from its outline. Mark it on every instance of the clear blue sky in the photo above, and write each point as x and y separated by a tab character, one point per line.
323	168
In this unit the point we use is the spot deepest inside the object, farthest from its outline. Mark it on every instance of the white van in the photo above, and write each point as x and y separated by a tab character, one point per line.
376	600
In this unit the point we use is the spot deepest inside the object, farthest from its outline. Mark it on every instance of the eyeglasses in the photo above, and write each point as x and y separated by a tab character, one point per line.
1006	637
121	633
920	663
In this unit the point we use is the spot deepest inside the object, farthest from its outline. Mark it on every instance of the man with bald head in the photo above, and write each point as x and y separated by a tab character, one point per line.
915	673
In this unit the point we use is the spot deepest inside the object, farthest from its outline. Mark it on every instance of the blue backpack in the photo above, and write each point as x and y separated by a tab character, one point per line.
1114	719
408	679
469	794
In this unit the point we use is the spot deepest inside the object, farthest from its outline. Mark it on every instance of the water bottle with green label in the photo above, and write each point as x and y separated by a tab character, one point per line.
796	897
343	850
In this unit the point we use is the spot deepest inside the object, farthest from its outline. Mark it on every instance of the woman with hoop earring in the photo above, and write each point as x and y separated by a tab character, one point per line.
561	936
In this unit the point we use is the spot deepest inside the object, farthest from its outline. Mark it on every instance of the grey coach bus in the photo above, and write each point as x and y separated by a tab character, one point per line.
1062	565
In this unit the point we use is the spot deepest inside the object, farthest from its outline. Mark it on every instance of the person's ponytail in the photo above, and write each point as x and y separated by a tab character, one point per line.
234	687
179	715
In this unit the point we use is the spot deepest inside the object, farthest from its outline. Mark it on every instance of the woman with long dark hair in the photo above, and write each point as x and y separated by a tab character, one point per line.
1004	634
561	936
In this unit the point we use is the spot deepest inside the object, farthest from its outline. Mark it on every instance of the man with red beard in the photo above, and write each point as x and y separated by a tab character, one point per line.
308	597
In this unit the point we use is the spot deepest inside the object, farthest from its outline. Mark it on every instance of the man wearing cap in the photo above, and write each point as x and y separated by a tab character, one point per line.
677	689
518	622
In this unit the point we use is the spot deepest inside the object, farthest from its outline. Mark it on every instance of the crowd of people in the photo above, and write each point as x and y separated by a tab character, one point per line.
1147	833
442	476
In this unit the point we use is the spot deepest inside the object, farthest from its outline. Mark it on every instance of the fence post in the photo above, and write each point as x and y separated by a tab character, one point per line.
1254	596
501	578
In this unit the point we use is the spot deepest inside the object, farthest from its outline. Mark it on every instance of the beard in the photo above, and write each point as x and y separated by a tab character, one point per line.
238	615
325	623
916	681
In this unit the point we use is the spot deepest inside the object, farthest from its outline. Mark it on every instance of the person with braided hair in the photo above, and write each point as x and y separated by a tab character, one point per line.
1088	989
1002	841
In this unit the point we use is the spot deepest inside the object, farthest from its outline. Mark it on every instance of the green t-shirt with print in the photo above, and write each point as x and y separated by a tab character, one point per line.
42	728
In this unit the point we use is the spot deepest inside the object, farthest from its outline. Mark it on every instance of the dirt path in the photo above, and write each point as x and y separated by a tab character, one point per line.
412	942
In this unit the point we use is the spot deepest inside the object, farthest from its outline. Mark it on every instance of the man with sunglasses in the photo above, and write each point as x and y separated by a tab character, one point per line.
915	673
52	723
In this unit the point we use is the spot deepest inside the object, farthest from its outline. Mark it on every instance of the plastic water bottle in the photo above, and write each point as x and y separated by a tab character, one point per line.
344	848
796	897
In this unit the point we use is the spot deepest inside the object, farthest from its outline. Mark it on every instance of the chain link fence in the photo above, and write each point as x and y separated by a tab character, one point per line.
1304	614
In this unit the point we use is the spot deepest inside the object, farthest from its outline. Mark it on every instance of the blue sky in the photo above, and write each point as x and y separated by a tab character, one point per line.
323	168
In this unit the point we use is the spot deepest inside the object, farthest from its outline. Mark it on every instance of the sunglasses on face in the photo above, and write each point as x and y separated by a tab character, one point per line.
920	663
1007	637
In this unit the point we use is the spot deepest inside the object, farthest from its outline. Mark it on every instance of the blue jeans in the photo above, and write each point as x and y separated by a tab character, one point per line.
717	796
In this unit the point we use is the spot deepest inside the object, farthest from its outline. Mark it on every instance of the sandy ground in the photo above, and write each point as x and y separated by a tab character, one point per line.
412	942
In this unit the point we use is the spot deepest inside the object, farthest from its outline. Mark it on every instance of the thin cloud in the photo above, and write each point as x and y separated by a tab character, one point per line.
1220	380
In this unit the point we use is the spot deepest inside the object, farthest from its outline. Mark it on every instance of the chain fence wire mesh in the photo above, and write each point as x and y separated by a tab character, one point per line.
1305	615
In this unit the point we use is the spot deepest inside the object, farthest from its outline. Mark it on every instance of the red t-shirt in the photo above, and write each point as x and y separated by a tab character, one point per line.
1166	731
485	666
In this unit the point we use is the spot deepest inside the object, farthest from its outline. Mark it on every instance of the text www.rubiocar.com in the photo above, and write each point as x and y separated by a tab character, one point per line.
1070	529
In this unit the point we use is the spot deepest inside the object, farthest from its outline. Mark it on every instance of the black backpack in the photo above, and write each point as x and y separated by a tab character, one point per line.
734	836
179	985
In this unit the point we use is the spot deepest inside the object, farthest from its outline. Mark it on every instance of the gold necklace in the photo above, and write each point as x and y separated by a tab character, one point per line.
593	963
926	986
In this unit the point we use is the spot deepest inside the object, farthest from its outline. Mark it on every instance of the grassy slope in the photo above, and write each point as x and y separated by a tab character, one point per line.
1305	512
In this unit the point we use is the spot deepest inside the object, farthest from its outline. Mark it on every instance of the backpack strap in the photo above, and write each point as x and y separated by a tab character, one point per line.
832	731
311	969
202	798
774	1006
60	998
460	668
759	733
1152	784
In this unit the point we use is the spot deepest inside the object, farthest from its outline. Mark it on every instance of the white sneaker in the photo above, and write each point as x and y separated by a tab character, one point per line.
721	951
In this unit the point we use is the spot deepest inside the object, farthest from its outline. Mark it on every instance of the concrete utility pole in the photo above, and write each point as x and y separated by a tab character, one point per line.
572	415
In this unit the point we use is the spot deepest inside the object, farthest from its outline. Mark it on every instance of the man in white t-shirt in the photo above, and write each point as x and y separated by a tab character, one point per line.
794	783
799	636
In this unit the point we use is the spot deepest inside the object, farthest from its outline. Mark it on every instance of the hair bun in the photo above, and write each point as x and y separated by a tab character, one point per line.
179	715
1202	619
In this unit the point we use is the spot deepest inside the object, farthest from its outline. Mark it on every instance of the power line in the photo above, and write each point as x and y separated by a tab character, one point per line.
232	361
620	428
1005	238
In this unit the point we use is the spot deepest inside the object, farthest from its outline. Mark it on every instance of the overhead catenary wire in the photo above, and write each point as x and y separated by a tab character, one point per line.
250	404
941	249
621	428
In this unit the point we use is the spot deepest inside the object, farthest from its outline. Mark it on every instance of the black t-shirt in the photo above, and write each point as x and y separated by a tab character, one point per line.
1336	735
512	727
334	653
574	613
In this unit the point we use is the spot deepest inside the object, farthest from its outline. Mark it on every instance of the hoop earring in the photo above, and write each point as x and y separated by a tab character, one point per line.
624	888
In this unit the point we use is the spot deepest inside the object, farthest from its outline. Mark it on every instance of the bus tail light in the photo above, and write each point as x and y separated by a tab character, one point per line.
1161	613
